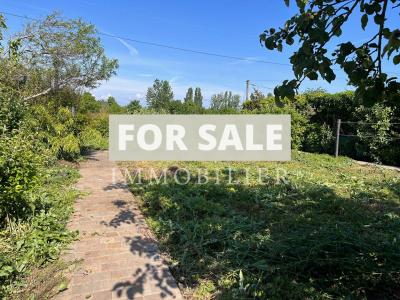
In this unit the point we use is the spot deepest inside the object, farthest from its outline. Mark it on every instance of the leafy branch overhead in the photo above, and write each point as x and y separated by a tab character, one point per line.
319	22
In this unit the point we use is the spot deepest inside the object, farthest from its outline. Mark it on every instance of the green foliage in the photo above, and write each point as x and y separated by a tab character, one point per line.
114	107
159	95
327	108
375	133
269	106
65	135
317	23
225	101
315	228
76	61
189	95
88	104
314	118
66	147
56	132
12	110
90	139
21	168
100	123
133	107
319	138
35	242
177	107
198	97
2	26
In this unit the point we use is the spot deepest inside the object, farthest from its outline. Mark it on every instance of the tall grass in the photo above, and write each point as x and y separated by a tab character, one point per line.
327	229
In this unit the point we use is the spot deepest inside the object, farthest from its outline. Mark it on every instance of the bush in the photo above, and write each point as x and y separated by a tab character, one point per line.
92	139
21	167
268	106
12	110
319	138
67	136
66	147
34	242
375	132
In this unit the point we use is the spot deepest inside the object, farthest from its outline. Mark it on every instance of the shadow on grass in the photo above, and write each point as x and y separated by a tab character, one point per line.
285	240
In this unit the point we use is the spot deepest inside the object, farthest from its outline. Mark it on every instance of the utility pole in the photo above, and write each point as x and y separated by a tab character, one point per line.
247	89
339	122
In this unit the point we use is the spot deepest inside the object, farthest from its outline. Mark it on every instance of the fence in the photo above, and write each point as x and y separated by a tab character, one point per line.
338	134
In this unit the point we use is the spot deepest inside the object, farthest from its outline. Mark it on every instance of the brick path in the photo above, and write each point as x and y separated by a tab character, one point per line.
120	260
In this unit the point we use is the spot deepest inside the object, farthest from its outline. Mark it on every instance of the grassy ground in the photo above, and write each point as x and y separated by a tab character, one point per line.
315	228
29	249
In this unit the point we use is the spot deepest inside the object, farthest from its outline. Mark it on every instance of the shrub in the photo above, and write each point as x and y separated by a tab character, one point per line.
268	106
100	123
66	147
319	138
375	131
21	168
12	110
38	239
92	139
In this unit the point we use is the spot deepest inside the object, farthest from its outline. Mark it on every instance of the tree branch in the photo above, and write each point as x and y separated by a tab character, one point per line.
381	27
45	92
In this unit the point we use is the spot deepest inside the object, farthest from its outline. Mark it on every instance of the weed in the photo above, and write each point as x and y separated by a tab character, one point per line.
328	229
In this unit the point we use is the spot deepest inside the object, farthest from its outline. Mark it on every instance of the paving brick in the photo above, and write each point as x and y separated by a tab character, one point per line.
120	259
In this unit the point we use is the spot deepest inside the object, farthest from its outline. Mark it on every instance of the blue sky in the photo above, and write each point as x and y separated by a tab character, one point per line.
219	26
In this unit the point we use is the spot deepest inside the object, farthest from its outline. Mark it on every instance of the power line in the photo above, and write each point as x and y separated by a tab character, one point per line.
368	136
194	51
262	86
177	48
168	46
366	123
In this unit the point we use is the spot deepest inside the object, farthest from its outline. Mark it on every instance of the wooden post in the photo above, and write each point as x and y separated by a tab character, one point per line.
339	122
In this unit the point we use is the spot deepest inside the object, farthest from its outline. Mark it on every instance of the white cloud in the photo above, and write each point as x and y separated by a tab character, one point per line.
246	60
145	75
132	50
175	79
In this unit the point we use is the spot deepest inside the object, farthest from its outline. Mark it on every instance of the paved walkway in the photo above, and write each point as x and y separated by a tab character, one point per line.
120	259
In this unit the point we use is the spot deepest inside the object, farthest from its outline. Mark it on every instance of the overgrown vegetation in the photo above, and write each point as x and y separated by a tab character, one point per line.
314	228
40	129
372	135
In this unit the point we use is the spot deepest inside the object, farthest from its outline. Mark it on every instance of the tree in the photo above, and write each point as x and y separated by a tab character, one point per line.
198	97
56	53
256	95
159	95
114	107
223	101
88	103
189	95
133	107
317	23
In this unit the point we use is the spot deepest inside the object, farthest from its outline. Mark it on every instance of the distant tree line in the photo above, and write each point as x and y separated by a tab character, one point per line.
160	98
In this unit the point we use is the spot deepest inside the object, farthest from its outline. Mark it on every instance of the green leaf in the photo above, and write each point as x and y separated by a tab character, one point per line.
270	43
289	40
396	59
287	3
364	21
379	19
313	76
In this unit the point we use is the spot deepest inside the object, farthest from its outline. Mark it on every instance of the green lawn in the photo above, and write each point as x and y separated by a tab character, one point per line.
327	229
